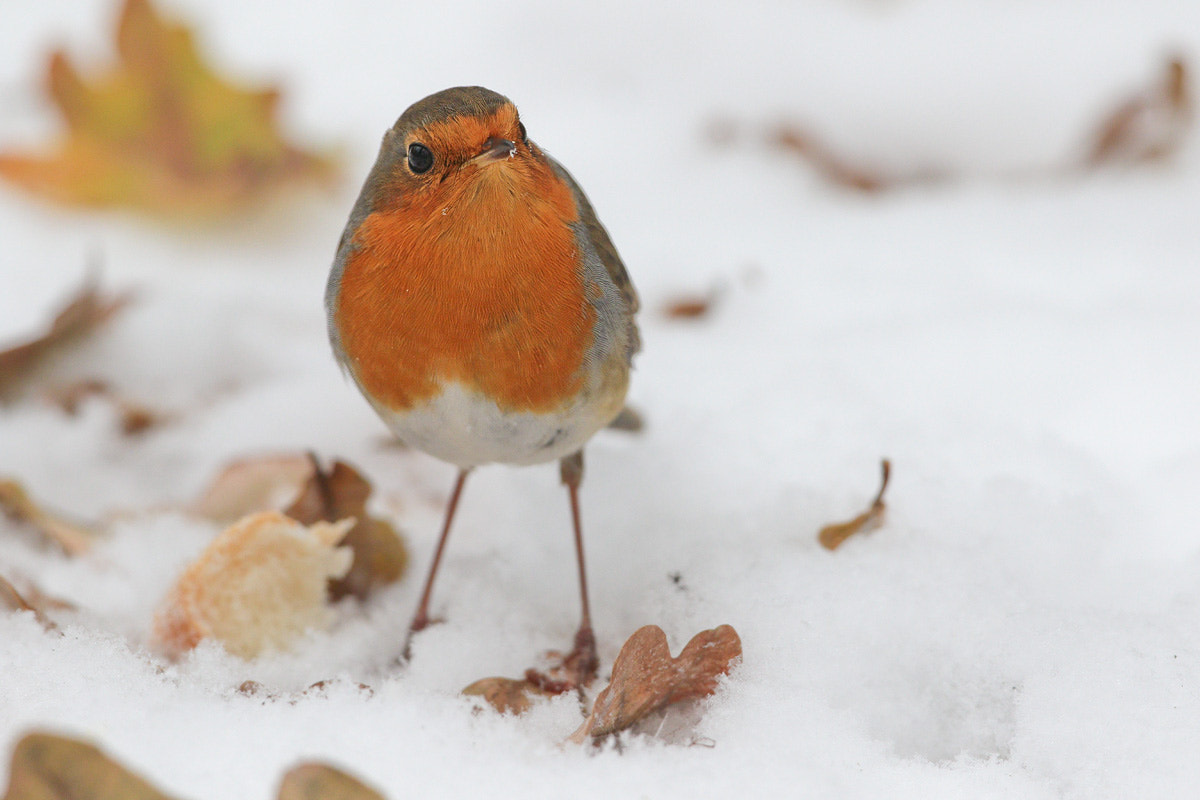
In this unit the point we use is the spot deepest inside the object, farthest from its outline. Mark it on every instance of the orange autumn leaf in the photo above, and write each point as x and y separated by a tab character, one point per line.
161	131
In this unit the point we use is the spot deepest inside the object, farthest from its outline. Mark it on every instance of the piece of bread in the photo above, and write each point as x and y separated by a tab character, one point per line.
259	585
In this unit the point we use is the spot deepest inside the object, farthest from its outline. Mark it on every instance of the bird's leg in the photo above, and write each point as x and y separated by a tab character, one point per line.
582	662
580	665
421	618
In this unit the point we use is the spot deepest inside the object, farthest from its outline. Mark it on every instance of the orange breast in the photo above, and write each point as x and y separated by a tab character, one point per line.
477	283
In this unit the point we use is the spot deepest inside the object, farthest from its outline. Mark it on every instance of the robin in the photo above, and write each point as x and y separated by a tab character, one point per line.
481	307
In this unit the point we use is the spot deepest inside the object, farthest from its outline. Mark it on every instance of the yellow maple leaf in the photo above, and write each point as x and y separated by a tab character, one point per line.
162	132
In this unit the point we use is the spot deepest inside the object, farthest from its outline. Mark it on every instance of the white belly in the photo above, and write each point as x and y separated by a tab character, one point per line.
467	429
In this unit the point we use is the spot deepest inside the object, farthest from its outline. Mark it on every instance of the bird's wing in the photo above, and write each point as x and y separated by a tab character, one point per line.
600	240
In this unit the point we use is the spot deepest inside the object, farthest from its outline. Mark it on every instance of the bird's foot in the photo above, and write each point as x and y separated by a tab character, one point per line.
419	623
572	671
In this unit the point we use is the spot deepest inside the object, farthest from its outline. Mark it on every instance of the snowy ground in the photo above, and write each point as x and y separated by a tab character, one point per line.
1026	353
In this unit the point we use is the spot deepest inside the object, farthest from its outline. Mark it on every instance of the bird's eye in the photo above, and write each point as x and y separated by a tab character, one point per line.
420	158
524	137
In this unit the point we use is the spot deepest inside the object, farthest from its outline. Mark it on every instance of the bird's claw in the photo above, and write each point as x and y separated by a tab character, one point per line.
573	671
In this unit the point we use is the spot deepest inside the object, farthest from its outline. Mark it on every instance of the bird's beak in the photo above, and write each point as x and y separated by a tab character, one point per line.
495	150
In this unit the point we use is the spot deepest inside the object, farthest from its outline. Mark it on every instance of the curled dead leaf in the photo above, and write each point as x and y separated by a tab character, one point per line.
828	164
322	782
162	132
379	559
49	767
645	678
298	485
1149	126
11	599
506	695
379	553
86	311
31	600
17	505
342	492
832	536
43	601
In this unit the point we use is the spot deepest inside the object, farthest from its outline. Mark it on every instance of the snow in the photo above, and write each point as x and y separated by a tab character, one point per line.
1023	349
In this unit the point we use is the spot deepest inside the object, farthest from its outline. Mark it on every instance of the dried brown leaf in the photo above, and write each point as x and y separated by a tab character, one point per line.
832	536
692	305
249	485
45	602
1149	126
329	496
84	313
828	164
379	553
506	695
18	506
48	767
645	678
687	307
135	418
322	782
12	599
379	559
306	492
801	142
30	600
161	131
